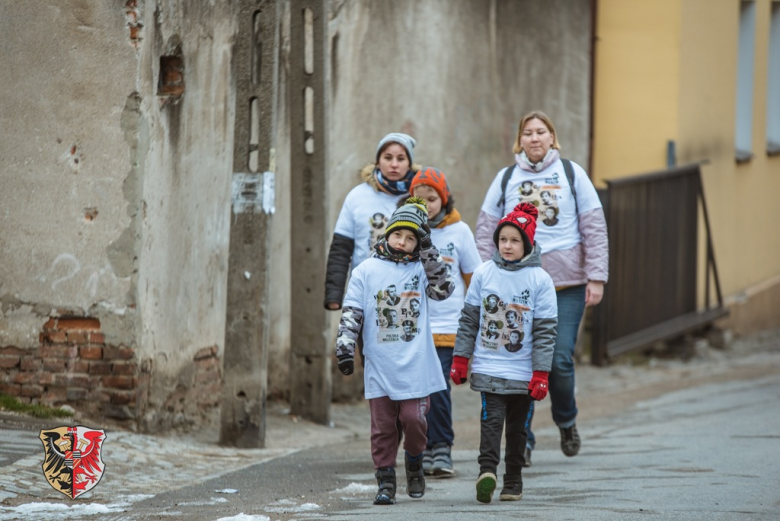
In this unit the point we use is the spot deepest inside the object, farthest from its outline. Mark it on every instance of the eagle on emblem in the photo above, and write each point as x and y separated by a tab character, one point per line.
72	463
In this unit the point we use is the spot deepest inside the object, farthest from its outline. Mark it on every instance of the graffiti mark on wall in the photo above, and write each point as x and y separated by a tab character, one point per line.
71	266
66	266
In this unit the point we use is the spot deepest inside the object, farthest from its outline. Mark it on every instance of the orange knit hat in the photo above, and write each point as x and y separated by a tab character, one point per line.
434	178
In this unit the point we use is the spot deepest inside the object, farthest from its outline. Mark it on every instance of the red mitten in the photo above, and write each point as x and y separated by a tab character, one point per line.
459	369
537	387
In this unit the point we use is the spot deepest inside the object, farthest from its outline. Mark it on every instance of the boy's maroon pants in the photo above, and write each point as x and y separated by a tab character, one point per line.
386	414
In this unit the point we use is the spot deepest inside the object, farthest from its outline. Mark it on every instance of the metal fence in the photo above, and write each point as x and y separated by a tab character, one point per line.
653	224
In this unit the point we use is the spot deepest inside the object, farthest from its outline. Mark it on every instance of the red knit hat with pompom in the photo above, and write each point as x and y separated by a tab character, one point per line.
523	217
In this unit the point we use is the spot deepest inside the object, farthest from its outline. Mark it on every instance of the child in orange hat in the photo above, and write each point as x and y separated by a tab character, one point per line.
455	242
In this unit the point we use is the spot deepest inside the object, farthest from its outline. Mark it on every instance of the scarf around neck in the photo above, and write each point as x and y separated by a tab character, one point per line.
524	163
399	187
444	219
385	252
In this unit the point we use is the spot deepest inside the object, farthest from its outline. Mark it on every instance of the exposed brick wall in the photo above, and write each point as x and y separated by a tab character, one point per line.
75	366
197	393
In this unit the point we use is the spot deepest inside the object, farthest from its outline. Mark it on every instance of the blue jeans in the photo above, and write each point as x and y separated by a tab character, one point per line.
440	412
571	306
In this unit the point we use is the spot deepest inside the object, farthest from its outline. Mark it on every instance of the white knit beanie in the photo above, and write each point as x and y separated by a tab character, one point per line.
405	140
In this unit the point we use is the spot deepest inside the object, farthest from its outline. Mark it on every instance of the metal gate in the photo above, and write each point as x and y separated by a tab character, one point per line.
653	224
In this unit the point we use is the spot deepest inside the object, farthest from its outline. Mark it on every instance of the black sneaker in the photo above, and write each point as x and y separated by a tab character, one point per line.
570	440
415	477
486	485
385	478
527	456
511	492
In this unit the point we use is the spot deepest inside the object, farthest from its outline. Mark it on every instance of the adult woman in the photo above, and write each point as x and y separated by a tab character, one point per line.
574	251
366	209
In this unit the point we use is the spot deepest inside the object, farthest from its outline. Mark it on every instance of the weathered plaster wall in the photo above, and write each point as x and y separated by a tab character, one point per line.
185	206
457	75
280	263
116	202
68	68
131	226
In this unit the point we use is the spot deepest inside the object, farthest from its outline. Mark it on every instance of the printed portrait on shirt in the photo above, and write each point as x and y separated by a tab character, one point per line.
550	215
527	188
501	324
515	341
512	319
448	255
398	308
529	193
377	223
414	307
409	328
544	197
491	303
391	296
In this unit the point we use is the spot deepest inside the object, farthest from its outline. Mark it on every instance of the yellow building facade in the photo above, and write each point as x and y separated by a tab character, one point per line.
705	75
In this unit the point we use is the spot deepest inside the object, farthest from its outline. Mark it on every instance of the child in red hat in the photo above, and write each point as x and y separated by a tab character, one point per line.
510	360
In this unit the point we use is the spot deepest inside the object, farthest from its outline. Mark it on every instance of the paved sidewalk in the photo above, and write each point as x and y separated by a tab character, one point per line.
138	466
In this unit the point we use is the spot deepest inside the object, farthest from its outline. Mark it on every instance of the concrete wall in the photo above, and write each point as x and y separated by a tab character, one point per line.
117	200
280	262
668	70
457	75
116	205
63	161
185	205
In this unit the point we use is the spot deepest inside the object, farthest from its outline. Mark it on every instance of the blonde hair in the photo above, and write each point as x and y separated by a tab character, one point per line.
544	118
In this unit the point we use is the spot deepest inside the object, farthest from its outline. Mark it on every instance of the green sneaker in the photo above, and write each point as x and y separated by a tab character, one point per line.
486	485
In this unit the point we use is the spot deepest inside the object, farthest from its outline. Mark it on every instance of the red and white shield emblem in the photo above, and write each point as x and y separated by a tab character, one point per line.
73	462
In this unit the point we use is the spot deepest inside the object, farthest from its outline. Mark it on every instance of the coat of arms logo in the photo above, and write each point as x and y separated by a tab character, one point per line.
73	461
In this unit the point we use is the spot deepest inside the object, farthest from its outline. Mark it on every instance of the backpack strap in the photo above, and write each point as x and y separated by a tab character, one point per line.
570	176
505	181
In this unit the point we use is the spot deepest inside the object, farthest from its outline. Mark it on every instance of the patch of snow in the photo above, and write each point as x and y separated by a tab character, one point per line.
126	501
292	508
355	488
245	517
36	511
212	501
